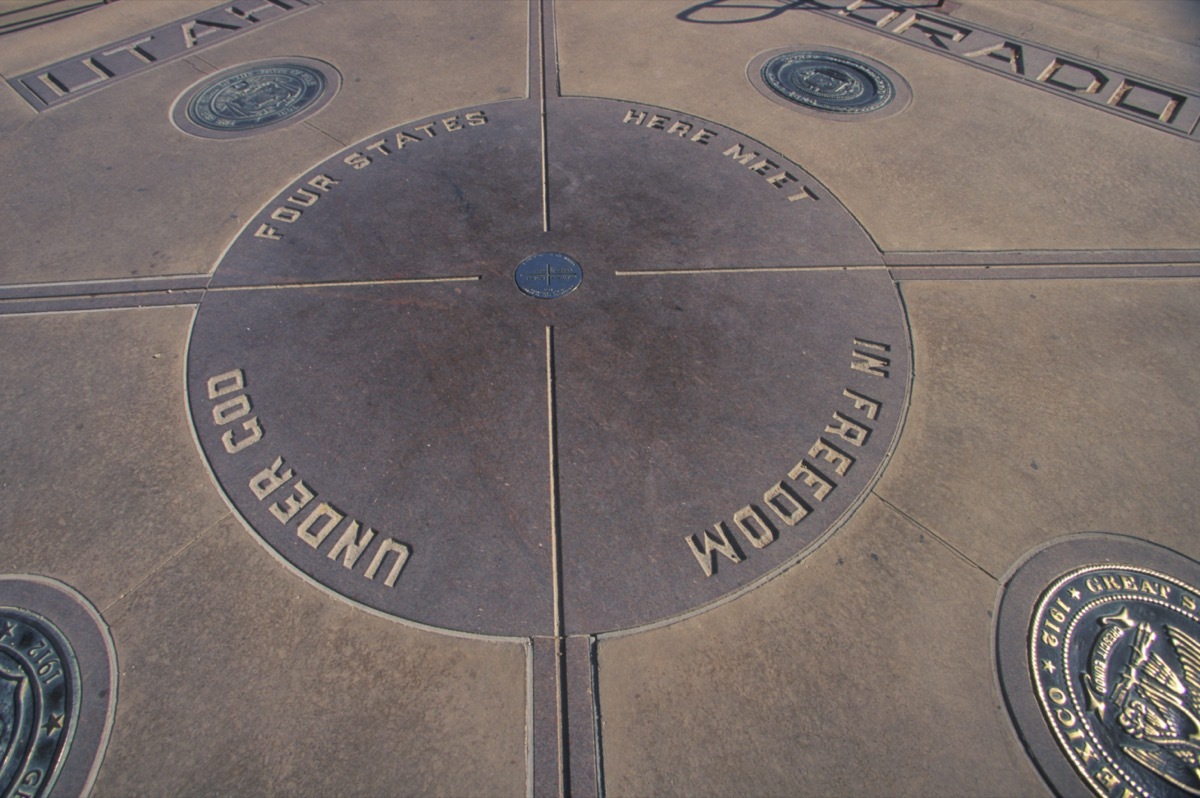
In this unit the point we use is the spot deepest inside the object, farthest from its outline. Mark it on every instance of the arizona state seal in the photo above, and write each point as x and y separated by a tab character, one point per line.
1114	651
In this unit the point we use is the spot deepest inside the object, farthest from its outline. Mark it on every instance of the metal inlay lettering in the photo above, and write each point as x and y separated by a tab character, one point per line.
39	699
1115	654
85	73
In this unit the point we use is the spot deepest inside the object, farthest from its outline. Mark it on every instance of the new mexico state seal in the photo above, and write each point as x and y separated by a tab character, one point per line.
1114	651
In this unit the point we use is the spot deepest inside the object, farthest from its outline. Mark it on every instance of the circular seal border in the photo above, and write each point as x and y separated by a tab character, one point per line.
77	620
901	91
549	292
179	109
1021	594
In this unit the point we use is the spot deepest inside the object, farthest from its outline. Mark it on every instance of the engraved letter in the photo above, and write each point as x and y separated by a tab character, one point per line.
935	35
292	504
763	536
252	427
404	139
763	166
863	403
352	544
1014	56
268	5
831	454
848	431
134	49
712	544
267	481
849	10
304	198
331	518
680	129
1168	108
231	410
1090	82
790	516
380	146
323	183
781	178
191	38
810	476
870	364
737	153
225	383
401	558
637	117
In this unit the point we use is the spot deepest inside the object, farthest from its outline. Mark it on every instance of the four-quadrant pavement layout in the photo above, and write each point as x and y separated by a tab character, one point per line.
732	516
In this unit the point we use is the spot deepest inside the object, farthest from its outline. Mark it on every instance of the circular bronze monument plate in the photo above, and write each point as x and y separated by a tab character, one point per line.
829	82
1108	666
548	275
388	409
249	98
57	688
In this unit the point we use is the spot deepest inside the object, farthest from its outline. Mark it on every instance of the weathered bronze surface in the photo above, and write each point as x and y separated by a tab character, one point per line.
253	97
256	97
57	688
1098	642
39	701
1115	653
548	275
828	82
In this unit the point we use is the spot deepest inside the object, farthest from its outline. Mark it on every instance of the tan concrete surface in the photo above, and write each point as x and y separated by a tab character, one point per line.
1040	407
142	198
436	53
1155	38
99	481
938	176
1045	408
236	678
910	623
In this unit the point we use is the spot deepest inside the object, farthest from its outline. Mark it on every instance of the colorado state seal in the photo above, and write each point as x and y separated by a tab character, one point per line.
1115	656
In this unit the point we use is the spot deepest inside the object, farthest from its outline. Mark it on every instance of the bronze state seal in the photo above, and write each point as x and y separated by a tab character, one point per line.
1115	656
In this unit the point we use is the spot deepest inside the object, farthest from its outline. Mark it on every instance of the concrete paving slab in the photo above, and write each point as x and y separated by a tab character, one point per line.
1069	387
912	179
909	621
328	698
1154	38
97	449
758	481
436	54
146	199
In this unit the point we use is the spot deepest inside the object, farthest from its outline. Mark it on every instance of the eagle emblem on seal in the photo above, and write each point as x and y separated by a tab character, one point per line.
1143	684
